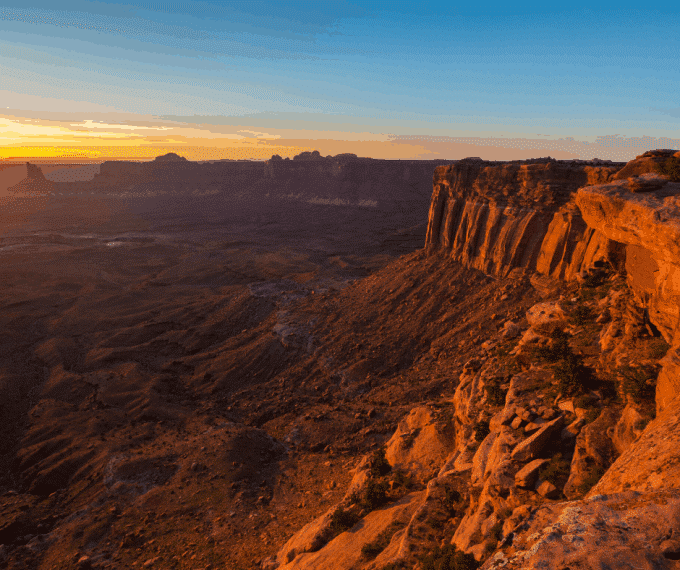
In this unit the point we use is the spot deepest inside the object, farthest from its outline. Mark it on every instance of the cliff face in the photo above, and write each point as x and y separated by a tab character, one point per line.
561	218
347	178
498	216
648	224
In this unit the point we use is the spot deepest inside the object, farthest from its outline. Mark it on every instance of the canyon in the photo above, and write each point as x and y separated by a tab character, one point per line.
317	373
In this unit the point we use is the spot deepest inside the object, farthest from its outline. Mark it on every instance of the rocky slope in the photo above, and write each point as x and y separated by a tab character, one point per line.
544	457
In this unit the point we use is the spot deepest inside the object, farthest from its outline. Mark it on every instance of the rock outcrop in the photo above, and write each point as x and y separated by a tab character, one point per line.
651	463
497	216
648	224
623	531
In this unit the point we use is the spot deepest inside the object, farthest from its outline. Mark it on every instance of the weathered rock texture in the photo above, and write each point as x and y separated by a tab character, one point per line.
652	462
496	216
649	226
559	218
625	531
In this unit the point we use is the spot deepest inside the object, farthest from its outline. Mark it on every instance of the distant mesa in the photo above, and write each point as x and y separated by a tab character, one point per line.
314	155
170	157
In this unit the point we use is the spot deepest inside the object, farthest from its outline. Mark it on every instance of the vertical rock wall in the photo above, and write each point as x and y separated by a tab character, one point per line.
497	216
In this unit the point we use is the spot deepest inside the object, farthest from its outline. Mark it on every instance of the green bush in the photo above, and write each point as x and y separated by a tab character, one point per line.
556	469
376	494
378	463
671	168
572	376
481	430
638	382
448	558
342	520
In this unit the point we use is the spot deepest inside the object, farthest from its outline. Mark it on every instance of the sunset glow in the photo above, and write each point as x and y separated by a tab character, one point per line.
251	79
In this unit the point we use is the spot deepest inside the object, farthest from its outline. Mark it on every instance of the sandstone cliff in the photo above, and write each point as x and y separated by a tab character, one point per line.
498	216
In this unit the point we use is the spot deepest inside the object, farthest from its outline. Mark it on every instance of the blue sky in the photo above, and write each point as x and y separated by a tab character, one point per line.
417	78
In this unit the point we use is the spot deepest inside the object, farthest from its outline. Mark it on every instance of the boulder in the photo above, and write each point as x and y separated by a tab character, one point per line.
531	447
420	444
593	454
510	330
547	489
628	429
527	476
647	226
344	551
545	313
668	381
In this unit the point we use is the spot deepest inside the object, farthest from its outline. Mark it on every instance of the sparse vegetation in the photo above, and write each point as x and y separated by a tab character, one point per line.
378	464
448	558
496	531
411	437
495	395
402	479
453	501
638	382
481	430
371	550
343	519
375	495
671	168
557	348
580	315
658	348
572	376
556	470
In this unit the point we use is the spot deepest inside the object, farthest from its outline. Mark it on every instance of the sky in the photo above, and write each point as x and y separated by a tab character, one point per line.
387	79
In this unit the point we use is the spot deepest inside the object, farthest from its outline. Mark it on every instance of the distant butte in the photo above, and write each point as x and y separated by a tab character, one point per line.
170	157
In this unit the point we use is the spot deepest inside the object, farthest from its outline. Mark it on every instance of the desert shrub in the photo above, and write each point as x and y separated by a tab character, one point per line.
411	437
580	315
572	376
556	469
658	348
638	382
453	500
556	349
448	558
378	463
342	520
496	531
495	395
481	430
671	168
371	549
402	479
375	494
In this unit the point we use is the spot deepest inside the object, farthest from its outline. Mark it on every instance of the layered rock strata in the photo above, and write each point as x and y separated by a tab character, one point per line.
498	216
